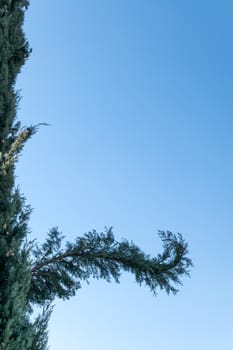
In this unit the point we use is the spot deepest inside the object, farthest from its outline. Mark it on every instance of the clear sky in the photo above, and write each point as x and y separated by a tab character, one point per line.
139	98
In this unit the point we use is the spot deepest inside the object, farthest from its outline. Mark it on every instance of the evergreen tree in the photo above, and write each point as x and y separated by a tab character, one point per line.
34	275
15	329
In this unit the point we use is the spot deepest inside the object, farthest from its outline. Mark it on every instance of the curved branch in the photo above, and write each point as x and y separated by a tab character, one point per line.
57	273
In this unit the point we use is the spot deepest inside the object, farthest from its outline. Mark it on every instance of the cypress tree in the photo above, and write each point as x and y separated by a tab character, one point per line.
32	274
16	332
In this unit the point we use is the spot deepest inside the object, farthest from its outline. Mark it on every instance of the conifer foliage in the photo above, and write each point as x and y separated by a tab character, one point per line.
32	274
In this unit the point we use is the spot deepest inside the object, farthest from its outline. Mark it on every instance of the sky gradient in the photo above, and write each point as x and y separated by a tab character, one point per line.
139	98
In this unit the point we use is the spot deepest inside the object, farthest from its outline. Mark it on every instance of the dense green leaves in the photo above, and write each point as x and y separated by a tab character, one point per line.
16	331
58	272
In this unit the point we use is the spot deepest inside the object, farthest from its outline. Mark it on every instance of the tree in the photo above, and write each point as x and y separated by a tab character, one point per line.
32	274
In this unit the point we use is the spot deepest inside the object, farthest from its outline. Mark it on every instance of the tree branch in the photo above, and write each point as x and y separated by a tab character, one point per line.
99	255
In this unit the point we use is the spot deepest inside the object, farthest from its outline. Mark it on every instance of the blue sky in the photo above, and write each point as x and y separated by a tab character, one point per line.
139	98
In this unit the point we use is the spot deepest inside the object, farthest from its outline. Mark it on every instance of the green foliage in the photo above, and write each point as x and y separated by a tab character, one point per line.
16	332
40	325
33	275
58	272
